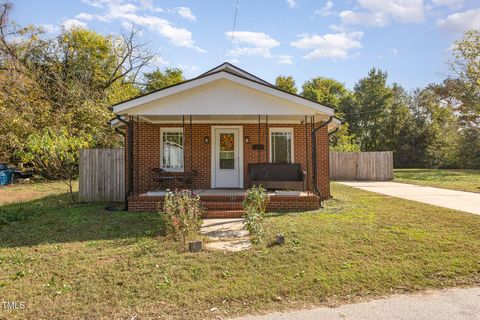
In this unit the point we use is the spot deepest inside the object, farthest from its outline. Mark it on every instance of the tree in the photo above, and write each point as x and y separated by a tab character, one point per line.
286	83
325	90
370	107
462	91
466	62
343	141
63	82
440	128
55	154
157	79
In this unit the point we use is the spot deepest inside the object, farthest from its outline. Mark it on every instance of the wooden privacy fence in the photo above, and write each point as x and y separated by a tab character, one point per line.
102	175
373	166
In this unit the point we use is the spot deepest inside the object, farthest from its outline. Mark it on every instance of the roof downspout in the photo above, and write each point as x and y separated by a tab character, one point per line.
120	132
314	158
334	131
329	134
129	157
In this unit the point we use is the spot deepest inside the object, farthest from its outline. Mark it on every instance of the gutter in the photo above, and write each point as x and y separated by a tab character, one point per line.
314	158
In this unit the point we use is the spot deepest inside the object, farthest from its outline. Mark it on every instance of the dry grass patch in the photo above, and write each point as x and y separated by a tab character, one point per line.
26	191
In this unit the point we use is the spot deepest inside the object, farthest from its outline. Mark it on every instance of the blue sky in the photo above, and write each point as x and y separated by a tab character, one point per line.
410	39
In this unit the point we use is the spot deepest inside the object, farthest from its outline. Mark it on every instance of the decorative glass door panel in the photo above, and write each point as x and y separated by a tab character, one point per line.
227	151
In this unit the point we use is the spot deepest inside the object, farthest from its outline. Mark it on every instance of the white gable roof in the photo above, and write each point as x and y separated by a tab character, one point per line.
223	90
235	70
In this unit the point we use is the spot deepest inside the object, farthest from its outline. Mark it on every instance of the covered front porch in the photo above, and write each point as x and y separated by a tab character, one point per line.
218	157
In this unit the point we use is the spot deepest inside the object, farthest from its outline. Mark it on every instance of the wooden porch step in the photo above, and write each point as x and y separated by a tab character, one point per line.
223	214
217	205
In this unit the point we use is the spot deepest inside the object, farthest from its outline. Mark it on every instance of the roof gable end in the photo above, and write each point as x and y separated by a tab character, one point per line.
226	66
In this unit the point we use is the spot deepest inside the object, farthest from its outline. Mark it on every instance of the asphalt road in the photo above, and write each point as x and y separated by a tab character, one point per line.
452	304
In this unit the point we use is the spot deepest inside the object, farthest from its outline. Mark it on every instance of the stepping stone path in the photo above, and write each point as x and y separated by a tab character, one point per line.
227	235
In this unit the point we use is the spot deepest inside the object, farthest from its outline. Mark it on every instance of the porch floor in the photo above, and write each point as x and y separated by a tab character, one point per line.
230	192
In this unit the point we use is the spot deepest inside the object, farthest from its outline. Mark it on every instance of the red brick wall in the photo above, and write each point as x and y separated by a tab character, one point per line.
147	153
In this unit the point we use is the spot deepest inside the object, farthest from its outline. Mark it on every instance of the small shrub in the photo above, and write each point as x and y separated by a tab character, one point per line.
183	215
255	204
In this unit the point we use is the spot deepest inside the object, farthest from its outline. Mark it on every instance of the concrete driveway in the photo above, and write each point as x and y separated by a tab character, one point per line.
451	199
453	304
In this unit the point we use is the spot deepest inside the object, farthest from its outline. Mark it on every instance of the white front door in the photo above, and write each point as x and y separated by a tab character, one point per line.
226	159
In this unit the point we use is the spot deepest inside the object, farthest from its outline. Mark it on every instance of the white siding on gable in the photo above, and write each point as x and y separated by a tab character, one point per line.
221	97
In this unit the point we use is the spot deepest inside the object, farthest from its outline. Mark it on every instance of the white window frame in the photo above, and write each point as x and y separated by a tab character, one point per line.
169	130
289	130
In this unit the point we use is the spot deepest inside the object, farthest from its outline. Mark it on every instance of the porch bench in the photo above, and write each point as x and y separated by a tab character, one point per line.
277	176
165	178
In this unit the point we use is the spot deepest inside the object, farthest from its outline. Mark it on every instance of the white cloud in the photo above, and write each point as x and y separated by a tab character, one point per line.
148	5
128	12
189	70
292	3
50	28
284	59
233	60
452	4
335	46
461	21
382	12
252	43
248	43
399	10
394	51
158	61
73	23
336	28
326	10
377	19
94	3
186	13
84	16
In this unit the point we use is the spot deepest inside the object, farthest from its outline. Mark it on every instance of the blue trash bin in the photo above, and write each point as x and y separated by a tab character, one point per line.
6	177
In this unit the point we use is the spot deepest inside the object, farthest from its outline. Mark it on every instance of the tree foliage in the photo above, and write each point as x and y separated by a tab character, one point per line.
325	90
157	79
344	141
54	153
58	89
286	83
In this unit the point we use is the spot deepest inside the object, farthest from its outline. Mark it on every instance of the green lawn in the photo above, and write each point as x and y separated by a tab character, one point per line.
74	261
463	180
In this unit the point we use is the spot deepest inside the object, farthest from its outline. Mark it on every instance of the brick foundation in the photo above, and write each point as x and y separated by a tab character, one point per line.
225	206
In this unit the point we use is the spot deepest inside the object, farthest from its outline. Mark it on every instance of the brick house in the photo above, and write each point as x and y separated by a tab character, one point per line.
213	133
